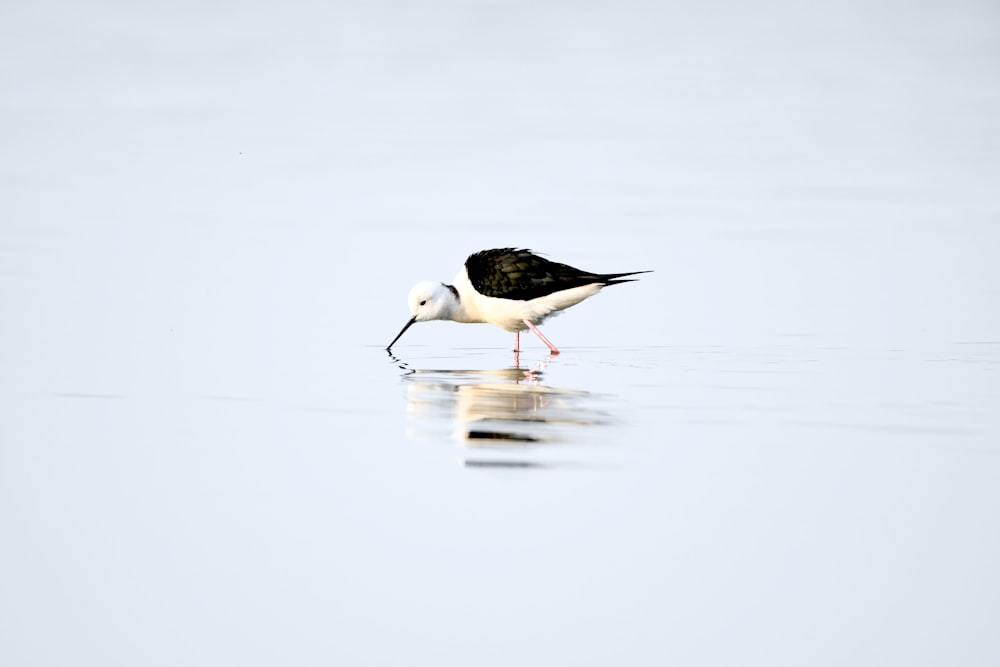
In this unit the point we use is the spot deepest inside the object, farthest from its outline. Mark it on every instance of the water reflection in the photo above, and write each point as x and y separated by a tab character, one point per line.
507	409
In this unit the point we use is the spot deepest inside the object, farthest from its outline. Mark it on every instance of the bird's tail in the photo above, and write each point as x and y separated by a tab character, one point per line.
619	278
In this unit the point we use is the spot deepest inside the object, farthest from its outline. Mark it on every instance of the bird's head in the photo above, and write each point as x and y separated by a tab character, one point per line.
428	300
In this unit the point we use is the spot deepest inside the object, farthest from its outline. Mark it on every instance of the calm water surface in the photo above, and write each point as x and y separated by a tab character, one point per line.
782	447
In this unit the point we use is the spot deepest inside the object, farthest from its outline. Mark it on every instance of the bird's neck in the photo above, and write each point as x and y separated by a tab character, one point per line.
464	305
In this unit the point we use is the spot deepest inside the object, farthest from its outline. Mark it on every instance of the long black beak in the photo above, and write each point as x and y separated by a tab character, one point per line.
407	326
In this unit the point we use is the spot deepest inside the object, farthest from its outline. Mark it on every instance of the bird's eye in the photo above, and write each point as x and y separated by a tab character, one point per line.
424	302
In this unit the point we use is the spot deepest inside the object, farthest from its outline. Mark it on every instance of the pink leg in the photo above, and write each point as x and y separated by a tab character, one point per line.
517	341
544	339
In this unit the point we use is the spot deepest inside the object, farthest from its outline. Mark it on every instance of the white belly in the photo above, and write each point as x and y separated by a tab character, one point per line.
510	314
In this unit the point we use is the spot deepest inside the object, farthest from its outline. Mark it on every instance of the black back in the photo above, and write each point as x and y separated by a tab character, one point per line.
510	273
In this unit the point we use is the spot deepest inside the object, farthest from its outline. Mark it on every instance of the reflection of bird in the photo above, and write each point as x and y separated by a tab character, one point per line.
513	289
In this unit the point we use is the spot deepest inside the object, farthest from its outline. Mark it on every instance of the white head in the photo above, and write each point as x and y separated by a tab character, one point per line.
429	300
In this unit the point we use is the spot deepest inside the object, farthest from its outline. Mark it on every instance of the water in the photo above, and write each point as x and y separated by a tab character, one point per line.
778	448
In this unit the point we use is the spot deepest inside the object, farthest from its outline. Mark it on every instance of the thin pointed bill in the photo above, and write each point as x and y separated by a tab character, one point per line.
405	327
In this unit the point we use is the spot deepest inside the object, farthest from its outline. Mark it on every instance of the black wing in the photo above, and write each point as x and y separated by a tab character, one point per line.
510	273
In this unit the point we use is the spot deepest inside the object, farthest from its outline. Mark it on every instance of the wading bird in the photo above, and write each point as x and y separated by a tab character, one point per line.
513	289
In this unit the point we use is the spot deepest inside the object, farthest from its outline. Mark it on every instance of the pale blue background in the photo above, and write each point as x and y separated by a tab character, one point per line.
781	448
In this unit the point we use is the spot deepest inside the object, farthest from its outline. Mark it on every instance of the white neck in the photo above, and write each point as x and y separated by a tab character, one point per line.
465	309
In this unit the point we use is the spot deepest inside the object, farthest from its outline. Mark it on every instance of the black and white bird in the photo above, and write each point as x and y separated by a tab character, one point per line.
511	288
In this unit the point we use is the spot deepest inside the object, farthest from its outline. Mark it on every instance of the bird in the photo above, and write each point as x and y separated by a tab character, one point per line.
512	288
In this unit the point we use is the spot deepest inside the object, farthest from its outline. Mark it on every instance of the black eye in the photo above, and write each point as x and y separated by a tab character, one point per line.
424	302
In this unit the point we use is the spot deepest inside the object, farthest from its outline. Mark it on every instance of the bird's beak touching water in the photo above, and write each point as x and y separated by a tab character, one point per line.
405	327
